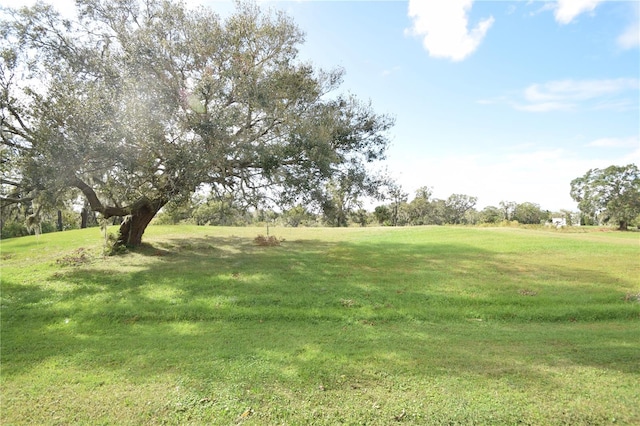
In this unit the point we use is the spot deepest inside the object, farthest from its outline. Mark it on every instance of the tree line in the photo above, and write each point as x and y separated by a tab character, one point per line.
139	111
457	209
613	199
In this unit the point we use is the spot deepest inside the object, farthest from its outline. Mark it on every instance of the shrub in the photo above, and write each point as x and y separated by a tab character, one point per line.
13	229
269	241
77	258
111	248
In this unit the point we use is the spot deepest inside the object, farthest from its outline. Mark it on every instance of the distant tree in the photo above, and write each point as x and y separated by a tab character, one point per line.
457	205
137	103
87	216
221	210
490	214
265	216
530	214
360	216
296	216
177	211
19	222
567	215
471	217
343	194
396	194
439	214
382	215
420	209
611	194
507	208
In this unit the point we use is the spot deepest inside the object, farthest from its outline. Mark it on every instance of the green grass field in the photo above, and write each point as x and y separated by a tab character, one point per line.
375	326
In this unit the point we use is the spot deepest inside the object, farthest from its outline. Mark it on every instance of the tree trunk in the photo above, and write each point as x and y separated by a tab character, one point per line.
623	226
134	225
139	214
84	216
59	220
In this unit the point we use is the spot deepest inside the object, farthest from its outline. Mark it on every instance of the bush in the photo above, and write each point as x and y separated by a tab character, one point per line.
13	229
111	248
47	227
270	241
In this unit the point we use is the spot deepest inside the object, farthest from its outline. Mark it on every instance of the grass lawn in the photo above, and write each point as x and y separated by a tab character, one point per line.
375	326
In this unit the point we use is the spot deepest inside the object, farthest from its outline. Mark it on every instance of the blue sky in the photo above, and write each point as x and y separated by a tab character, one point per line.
503	100
510	105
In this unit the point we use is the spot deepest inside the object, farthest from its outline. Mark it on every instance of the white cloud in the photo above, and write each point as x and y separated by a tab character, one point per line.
545	106
632	157
444	27
628	142
565	95
390	71
578	89
537	175
546	5
630	38
567	10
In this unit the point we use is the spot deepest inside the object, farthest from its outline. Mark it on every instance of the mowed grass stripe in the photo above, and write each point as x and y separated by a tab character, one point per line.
361	326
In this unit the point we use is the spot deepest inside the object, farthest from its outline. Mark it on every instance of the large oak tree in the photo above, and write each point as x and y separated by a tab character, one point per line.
137	103
611	194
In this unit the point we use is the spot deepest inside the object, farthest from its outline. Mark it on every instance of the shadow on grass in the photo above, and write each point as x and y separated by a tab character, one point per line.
312	310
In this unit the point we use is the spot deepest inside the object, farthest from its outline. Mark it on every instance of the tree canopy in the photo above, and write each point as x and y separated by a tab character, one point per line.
138	103
611	194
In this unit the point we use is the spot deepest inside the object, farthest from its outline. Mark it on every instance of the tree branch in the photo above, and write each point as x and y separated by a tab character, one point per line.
5	201
110	211
94	201
5	181
18	118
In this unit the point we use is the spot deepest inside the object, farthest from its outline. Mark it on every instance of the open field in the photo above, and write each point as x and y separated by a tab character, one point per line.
376	326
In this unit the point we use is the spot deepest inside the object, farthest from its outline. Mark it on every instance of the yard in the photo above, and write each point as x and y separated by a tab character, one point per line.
376	326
